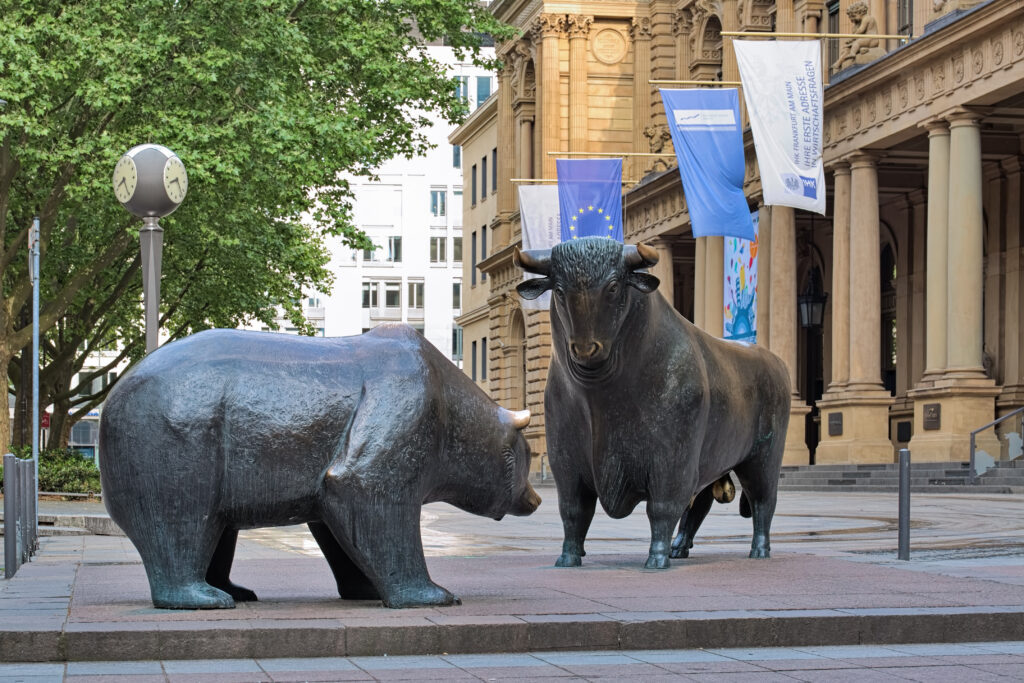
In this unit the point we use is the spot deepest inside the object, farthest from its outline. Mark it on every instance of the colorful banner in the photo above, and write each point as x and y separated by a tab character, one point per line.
740	323
705	127
539	216
783	91
590	195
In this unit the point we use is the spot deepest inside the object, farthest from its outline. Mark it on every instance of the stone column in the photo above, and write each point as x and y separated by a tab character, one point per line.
507	194
783	326
681	30
714	292
640	32
918	300
579	29
855	417
699	266
937	249
841	279
764	275
730	22
964	271
785	17
663	269
550	28
1013	306
526	148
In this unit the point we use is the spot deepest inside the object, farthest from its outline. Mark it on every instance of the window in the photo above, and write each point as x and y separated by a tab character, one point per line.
437	249
370	295
457	249
473	360
483	358
456	343
483	250
437	202
456	156
368	254
472	261
415	295
905	17
462	87
457	295
494	170
395	249
392	295
483	89
472	190
483	179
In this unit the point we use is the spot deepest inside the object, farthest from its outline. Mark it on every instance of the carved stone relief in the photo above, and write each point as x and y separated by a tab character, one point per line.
997	51
640	28
578	25
609	46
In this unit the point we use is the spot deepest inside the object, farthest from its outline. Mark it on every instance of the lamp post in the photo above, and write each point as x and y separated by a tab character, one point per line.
150	182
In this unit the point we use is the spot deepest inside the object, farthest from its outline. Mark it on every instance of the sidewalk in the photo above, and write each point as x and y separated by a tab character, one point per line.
86	597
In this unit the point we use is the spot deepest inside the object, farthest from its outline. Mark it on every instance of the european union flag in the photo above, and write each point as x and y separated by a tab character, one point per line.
590	198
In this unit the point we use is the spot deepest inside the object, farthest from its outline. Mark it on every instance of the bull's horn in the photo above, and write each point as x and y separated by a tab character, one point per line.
520	418
533	260
639	255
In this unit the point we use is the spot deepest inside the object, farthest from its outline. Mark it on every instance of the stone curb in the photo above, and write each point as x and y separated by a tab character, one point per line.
334	638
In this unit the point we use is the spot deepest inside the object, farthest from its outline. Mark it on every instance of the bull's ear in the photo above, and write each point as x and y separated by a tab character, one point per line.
534	287
645	282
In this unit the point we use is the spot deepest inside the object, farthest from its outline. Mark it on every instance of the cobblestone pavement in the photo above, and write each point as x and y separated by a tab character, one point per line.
958	662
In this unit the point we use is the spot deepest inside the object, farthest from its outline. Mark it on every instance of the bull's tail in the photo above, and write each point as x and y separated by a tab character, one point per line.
745	510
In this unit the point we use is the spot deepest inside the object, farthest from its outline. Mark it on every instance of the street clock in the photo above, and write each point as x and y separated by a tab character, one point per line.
150	181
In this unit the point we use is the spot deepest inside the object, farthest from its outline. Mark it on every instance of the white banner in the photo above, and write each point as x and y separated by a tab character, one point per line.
783	91
539	213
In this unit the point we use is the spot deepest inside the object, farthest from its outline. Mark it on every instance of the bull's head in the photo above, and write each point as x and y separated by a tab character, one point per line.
591	279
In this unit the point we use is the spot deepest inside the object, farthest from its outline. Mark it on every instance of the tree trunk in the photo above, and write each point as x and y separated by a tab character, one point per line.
21	434
60	425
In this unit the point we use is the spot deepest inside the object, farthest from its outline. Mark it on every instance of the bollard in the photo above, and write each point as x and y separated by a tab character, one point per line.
10	513
904	521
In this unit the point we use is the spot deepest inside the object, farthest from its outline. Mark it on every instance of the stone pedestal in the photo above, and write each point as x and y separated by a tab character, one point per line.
796	452
945	415
863	429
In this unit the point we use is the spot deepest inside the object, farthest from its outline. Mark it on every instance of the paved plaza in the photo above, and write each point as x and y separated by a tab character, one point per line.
832	602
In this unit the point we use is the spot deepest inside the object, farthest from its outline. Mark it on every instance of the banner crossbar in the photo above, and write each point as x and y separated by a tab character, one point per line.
555	180
764	34
614	155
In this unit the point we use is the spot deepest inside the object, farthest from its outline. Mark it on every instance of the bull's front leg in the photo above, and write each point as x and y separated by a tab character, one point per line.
576	506
662	516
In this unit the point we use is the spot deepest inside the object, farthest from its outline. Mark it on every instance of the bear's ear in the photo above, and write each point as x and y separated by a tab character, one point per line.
534	287
645	282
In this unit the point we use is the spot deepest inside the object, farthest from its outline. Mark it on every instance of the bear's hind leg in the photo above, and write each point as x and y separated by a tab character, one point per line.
353	584
218	573
176	561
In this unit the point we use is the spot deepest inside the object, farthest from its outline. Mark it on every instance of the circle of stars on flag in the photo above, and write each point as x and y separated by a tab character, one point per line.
590	209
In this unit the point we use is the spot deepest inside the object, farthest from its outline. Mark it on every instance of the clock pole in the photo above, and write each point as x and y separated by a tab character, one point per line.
151	241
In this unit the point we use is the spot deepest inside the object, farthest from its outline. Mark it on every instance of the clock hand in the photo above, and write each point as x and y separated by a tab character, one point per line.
124	182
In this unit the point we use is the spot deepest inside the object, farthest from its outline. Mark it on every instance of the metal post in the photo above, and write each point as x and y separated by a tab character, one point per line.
33	247
26	510
151	241
10	513
904	522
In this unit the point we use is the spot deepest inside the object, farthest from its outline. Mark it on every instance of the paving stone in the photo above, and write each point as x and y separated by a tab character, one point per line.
114	667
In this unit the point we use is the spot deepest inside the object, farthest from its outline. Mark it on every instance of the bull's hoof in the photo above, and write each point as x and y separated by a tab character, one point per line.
429	595
657	562
569	560
194	596
678	552
759	554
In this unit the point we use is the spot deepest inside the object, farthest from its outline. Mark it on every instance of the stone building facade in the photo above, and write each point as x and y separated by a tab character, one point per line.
921	248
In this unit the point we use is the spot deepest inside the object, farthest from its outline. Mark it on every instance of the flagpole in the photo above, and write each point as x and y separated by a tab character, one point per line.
670	82
555	180
762	34
610	154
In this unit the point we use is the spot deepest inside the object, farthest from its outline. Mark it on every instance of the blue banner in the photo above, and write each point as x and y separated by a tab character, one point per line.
590	198
705	127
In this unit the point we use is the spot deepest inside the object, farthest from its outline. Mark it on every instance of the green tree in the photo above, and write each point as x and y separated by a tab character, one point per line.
265	101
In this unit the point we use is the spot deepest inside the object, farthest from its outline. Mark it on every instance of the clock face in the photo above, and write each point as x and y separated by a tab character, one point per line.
175	180
126	177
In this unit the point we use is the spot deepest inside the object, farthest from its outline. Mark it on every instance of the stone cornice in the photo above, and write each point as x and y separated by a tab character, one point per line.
469	317
478	120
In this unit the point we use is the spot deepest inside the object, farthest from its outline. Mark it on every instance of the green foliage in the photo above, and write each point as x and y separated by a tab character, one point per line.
62	471
270	104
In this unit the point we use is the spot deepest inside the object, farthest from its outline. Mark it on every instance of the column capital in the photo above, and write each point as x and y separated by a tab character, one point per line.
578	26
681	22
935	127
640	29
962	117
841	167
549	26
862	159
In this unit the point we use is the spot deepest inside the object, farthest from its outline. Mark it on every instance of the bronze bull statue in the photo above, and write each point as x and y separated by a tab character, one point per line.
643	406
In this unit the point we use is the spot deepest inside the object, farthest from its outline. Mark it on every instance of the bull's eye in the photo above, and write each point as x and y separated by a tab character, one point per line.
613	289
559	292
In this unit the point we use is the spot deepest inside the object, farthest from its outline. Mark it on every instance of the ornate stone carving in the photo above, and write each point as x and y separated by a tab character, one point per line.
1018	43
939	77
578	25
860	50
682	22
904	95
978	61
887	101
871	109
520	57
658	137
549	25
919	86
997	52
755	15
958	69
609	46
640	28
856	117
